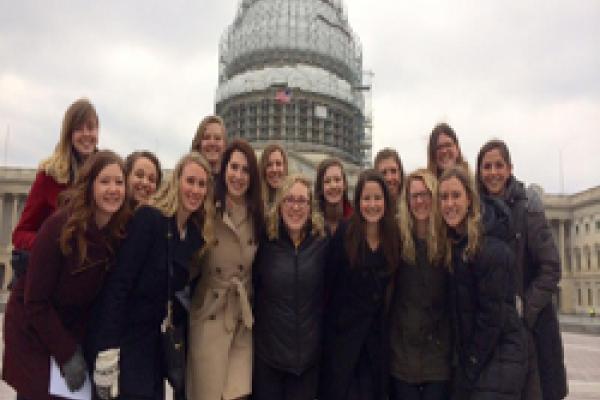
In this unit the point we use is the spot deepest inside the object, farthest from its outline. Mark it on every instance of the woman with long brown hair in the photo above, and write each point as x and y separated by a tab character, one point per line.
221	320
144	177
78	139
47	312
443	149
364	256
331	193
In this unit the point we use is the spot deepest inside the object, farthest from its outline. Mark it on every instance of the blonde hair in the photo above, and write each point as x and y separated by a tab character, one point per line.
62	164
211	119
474	228
274	214
269	193
166	200
435	235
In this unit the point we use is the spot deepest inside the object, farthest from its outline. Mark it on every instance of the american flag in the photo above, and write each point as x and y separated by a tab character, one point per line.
283	96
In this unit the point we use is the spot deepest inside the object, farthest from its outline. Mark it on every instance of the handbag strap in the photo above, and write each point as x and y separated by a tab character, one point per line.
169	318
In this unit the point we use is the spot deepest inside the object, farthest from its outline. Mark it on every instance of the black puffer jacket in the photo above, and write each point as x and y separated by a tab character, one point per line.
288	301
537	277
491	340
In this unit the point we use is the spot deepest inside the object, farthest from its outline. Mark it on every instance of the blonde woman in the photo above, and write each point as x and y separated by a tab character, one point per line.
210	141
273	168
78	139
289	276
170	231
419	316
491	342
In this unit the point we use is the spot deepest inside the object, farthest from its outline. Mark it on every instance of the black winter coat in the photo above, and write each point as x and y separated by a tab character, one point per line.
133	304
537	273
491	340
288	301
356	340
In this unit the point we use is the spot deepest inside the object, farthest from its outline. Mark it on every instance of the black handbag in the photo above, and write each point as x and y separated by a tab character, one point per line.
173	336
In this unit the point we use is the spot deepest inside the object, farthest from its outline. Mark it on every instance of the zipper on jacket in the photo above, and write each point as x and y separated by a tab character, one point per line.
296	294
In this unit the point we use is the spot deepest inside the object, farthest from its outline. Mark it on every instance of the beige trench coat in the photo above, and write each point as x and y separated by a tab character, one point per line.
220	336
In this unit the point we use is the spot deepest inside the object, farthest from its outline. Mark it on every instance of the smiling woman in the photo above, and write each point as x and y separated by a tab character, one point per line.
221	320
273	167
152	269
48	309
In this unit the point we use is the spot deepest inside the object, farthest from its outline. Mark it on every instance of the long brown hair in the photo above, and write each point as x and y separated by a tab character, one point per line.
254	202
389	237
494	144
62	165
82	206
319	192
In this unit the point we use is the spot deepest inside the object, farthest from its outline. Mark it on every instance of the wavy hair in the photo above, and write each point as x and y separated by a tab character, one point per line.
82	207
435	235
389	237
473	223
386	153
268	193
211	119
167	199
442	129
315	221
254	202
62	165
130	162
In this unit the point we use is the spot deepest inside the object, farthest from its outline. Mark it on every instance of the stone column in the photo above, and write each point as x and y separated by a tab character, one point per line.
15	208
2	215
561	245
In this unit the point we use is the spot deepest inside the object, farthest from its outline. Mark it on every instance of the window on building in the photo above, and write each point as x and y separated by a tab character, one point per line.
590	298
598	225
579	297
577	259
587	228
577	229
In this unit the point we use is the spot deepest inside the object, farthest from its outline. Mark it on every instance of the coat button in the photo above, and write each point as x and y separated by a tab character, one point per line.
212	317
218	270
216	295
216	242
241	267
250	242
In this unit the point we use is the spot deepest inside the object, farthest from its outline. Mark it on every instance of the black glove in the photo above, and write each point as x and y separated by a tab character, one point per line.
74	371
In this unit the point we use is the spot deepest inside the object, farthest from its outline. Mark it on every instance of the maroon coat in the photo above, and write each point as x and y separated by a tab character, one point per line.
41	203
47	312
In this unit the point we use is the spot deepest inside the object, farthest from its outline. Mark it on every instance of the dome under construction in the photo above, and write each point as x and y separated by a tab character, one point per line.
290	71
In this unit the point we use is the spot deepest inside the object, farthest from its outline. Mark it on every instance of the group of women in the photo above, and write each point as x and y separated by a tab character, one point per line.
433	285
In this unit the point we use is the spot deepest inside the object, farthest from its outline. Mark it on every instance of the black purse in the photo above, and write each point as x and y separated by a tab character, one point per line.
173	336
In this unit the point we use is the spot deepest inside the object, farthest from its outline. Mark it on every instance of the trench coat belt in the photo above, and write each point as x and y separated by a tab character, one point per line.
235	296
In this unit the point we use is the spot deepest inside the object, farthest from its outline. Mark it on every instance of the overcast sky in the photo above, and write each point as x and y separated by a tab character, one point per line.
527	72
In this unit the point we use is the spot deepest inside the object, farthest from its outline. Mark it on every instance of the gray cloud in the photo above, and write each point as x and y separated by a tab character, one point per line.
526	72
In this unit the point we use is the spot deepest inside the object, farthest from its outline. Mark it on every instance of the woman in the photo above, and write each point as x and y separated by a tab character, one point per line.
210	141
289	275
490	339
331	191
273	167
364	256
537	269
154	258
443	150
144	176
47	312
78	139
420	318
388	163
220	352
